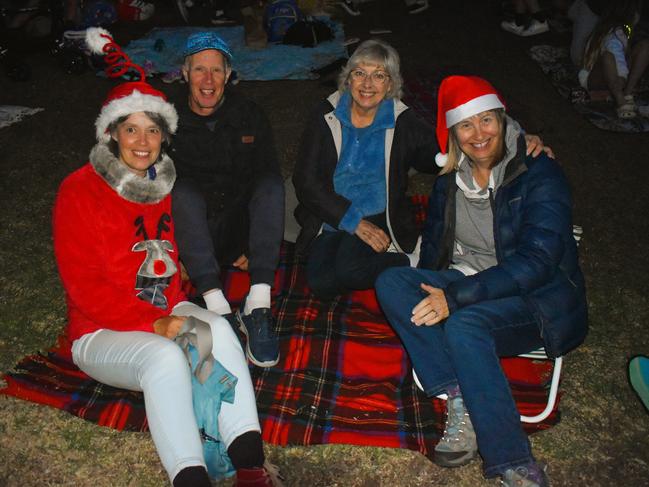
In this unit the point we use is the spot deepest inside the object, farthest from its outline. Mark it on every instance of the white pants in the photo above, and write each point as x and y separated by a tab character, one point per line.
141	361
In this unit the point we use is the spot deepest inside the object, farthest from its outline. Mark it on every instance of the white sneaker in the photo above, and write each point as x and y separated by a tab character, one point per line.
513	27
535	28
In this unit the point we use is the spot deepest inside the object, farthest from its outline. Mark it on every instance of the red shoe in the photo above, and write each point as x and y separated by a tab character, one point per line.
266	476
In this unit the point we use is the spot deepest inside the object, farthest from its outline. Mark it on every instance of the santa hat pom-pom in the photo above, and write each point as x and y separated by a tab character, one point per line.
97	38
440	159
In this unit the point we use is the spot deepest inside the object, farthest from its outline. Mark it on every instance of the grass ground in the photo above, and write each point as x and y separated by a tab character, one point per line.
603	438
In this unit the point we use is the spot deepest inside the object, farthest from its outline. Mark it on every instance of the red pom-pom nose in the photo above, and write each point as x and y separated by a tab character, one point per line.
159	267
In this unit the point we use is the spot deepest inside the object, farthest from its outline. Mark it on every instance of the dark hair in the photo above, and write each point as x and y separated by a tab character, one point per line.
615	14
155	118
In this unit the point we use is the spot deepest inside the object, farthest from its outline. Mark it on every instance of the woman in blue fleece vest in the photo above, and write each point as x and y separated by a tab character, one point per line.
498	276
351	175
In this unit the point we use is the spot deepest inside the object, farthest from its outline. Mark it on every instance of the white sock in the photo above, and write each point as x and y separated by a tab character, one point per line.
215	301
258	297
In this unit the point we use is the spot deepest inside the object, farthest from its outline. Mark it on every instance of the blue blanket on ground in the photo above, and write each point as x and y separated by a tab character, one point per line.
276	61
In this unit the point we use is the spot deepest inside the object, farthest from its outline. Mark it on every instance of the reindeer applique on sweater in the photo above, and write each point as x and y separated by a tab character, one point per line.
156	270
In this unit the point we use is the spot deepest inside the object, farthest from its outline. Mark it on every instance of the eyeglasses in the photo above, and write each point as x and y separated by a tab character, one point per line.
377	77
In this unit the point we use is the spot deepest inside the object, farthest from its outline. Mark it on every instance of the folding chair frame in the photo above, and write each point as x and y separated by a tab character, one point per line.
538	354
554	385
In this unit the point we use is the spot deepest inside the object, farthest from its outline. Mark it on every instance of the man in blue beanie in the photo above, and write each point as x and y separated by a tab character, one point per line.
228	200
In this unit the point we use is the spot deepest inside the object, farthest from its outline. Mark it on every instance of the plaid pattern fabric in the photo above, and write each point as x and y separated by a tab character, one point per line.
54	380
343	376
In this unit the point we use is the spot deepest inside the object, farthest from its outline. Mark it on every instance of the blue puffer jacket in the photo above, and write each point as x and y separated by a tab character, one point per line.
535	248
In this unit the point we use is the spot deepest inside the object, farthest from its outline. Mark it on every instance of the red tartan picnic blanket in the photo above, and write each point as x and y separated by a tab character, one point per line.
343	376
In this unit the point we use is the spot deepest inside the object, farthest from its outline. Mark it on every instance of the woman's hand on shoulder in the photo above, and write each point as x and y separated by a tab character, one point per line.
432	309
372	236
168	326
535	146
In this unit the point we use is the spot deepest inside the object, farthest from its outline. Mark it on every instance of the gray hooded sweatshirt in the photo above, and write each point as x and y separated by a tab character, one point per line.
474	248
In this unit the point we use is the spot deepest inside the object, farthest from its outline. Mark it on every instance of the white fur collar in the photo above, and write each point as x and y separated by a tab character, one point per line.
128	185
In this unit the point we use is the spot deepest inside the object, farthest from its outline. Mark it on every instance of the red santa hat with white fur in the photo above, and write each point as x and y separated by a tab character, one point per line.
460	97
129	97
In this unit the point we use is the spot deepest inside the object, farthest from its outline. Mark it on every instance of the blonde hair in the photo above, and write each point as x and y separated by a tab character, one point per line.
453	153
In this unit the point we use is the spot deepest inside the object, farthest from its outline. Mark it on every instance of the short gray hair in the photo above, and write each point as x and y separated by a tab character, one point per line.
377	52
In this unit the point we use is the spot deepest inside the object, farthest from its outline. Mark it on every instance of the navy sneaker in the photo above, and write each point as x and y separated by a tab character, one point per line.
263	346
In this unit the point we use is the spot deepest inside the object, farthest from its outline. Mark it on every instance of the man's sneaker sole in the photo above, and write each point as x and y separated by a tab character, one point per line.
448	460
251	357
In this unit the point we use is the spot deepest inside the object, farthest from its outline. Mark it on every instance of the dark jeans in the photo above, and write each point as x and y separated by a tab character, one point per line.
208	236
464	350
339	262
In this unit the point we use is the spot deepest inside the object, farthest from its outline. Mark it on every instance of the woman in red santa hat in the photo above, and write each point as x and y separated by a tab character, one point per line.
118	261
498	276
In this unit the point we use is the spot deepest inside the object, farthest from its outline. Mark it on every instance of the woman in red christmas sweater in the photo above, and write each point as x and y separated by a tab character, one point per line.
118	260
